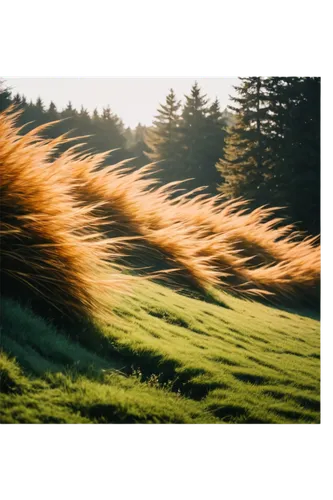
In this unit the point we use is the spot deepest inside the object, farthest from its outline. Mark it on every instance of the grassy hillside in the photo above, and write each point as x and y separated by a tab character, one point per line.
76	238
163	358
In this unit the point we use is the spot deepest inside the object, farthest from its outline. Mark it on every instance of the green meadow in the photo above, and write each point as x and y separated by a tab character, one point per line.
162	357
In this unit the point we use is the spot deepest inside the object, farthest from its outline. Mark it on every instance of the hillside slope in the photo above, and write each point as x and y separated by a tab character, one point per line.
164	357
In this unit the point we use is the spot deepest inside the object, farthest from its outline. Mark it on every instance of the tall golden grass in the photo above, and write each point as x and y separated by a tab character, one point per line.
51	245
211	241
57	211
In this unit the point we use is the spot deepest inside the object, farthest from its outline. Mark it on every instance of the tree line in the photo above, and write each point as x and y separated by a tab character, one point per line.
272	152
102	131
264	147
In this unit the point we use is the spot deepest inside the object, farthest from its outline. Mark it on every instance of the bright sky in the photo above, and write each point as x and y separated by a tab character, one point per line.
134	100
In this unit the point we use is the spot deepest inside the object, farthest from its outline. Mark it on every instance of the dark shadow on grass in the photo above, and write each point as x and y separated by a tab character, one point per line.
251	379
199	391
8	385
305	310
169	318
205	296
314	355
224	361
105	413
294	353
228	413
240	346
306	403
200	332
276	394
294	415
305	387
263	363
282	351
242	338
258	339
198	346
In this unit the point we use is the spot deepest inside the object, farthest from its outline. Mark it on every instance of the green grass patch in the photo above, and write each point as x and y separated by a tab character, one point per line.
164	358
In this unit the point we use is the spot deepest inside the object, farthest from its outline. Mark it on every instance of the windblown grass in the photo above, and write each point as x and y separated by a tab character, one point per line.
58	208
50	243
68	226
210	241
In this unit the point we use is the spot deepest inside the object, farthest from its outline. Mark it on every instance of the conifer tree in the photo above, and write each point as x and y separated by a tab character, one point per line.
295	147
129	137
194	135
5	96
272	153
247	163
52	112
17	100
162	139
215	135
95	115
40	105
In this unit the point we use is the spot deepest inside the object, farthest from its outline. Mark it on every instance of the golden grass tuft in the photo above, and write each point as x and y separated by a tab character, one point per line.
51	246
211	242
57	211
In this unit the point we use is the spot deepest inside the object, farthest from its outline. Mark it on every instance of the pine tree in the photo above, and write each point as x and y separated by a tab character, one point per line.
52	112
69	124
106	113
295	147
194	134
52	115
215	135
84	121
247	162
129	137
40	105
5	96
140	133
162	139
84	114
17	101
69	111
95	115
108	133
272	152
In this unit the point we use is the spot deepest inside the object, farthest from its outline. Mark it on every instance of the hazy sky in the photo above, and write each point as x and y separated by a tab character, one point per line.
133	99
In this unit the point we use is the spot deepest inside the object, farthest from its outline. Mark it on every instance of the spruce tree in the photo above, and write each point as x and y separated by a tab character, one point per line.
95	115
17	100
215	135
246	164
84	115
295	146
108	133
272	153
52	113
163	138
70	123
5	96
194	129
40	105
129	137
69	111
